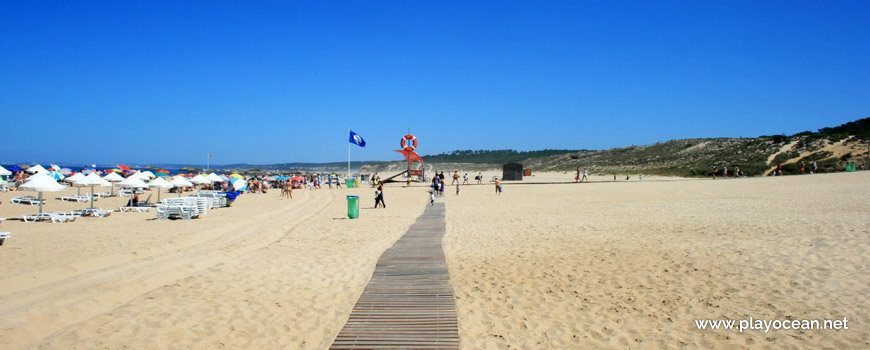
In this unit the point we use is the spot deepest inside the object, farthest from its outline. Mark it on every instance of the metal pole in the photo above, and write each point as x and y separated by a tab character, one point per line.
348	154
40	202
207	158
92	197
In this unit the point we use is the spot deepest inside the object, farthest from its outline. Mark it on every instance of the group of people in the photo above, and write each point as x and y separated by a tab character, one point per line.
737	172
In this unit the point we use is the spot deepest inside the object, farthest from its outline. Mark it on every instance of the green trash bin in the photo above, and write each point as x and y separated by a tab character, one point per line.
353	207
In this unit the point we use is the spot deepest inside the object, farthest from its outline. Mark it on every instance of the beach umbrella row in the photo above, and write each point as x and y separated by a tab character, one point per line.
41	182
92	180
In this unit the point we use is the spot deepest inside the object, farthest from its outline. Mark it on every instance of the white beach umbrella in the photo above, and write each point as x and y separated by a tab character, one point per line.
141	176
56	175
132	182
199	180
92	181
36	169
113	178
41	182
214	178
159	183
180	181
149	174
72	180
4	171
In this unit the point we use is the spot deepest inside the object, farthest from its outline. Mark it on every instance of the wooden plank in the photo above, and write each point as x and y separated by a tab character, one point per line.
408	303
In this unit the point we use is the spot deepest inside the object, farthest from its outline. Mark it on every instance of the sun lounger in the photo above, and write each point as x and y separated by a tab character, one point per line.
4	236
180	210
54	217
82	198
26	200
98	212
136	209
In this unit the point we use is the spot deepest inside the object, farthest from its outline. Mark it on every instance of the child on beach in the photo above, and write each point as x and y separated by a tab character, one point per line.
497	186
432	197
457	189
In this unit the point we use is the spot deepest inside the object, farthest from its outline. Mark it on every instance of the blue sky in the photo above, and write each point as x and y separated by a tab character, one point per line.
273	82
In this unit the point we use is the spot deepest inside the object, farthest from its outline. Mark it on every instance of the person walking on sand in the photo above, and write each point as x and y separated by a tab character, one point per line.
815	168
715	170
465	179
577	176
432	197
778	169
455	177
379	197
457	189
497	186
803	166
585	173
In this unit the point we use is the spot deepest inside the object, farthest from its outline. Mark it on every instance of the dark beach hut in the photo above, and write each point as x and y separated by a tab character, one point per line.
512	171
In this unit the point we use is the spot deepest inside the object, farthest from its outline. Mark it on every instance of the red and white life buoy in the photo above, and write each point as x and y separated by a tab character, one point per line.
409	142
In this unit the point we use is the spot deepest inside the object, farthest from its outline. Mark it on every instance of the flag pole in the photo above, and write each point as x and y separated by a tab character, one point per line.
348	154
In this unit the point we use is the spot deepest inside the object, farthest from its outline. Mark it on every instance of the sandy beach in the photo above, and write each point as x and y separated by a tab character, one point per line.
625	264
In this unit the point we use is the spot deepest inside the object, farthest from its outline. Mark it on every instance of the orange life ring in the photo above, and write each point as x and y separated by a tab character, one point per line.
409	142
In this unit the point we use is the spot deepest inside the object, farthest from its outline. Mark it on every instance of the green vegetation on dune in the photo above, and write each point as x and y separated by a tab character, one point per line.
492	157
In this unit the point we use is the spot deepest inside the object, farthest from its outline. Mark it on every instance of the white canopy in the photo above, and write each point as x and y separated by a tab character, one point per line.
199	180
149	174
160	183
133	182
92	180
214	178
74	177
113	177
140	176
41	182
180	181
4	171
37	169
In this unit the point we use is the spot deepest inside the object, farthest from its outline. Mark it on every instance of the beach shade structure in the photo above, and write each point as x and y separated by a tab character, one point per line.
41	183
180	181
4	172
132	183
161	174
92	180
237	176
123	167
37	169
199	180
240	185
72	180
163	171
66	171
296	178
214	178
113	178
149	174
159	183
141	176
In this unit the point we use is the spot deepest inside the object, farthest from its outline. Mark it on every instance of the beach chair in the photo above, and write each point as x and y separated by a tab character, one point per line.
78	198
98	212
4	236
26	200
136	209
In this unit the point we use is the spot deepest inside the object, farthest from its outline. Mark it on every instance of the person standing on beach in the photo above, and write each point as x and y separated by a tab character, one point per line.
479	178
455	177
577	176
465	179
778	169
457	189
715	170
585	173
497	186
802	167
815	168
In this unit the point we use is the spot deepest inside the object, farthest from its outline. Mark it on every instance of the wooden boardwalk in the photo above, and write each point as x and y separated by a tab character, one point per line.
408	304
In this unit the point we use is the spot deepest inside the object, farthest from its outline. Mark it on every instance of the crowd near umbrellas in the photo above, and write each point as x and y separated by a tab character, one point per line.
37	169
92	180
41	183
159	183
180	181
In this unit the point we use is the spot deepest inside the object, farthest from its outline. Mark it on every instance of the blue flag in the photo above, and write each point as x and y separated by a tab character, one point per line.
356	139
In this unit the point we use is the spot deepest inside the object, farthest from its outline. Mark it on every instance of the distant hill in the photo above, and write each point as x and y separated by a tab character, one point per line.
831	147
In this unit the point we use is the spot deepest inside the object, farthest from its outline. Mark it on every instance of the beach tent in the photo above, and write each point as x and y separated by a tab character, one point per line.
41	183
512	171
92	180
159	183
37	169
